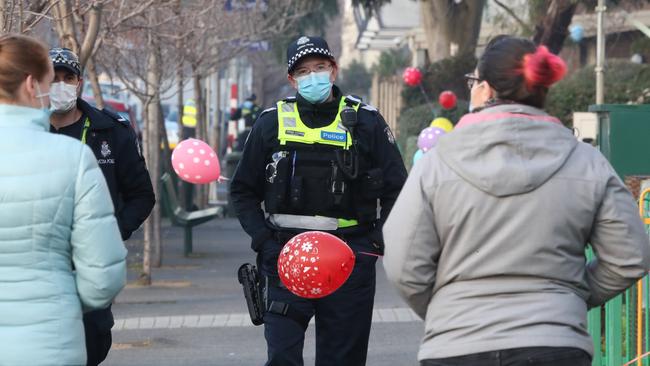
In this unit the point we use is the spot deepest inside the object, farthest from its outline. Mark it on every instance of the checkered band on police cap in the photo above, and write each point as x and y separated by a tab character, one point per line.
64	57
306	46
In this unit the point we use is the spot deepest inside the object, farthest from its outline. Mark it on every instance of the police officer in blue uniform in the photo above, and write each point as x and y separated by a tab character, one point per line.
118	153
318	161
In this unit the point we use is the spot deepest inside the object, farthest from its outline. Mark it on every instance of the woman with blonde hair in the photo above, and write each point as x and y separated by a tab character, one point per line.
60	248
487	240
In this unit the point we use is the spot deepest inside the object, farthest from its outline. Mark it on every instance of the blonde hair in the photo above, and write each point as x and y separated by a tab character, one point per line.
20	56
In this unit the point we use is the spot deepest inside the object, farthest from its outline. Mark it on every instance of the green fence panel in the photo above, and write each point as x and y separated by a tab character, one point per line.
623	139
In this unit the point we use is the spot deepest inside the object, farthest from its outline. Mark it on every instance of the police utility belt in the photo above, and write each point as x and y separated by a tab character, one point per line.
321	178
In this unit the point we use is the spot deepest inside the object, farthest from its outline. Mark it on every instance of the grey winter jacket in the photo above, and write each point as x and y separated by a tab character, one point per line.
487	239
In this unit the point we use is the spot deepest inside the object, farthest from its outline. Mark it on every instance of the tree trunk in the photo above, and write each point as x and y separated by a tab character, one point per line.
216	130
437	31
94	82
468	15
154	162
446	22
200	126
3	16
152	239
94	21
156	168
553	29
200	104
179	101
65	25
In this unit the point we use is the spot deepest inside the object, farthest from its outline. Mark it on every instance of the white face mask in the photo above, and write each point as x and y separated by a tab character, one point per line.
63	97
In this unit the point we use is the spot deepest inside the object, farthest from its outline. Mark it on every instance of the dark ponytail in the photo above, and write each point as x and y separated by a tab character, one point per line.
519	71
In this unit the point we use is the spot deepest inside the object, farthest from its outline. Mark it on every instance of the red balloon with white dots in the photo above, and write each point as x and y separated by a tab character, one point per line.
314	264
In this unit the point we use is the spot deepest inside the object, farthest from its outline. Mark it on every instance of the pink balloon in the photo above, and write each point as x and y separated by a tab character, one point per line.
314	264
429	138
194	161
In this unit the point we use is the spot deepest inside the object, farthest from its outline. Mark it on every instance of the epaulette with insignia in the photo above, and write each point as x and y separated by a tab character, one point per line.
116	117
370	108
352	99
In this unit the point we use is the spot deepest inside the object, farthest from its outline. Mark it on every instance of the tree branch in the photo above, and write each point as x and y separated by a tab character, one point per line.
90	39
527	28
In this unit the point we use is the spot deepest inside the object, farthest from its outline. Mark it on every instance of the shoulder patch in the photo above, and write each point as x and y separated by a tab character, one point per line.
116	117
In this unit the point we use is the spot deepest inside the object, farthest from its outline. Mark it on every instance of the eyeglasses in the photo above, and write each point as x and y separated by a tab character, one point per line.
471	80
304	71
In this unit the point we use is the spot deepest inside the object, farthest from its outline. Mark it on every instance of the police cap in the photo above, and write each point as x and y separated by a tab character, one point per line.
65	58
306	46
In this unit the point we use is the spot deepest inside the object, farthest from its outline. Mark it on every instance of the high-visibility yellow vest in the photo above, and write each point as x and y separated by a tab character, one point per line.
292	129
189	115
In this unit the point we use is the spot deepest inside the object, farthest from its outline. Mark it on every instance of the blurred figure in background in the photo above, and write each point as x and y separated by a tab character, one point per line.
61	253
487	240
249	111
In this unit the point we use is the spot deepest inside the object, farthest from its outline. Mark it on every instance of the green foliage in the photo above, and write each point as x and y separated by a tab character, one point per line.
443	75
625	83
355	79
392	61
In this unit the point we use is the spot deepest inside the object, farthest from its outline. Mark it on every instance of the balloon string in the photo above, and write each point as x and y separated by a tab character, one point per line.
426	97
371	254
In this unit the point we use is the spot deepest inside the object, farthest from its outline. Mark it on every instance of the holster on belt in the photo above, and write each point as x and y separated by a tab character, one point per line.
249	278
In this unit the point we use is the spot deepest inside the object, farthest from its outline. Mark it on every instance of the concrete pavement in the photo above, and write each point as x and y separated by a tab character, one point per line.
195	314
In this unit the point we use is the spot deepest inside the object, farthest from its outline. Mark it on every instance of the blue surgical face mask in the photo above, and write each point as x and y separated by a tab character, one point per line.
248	104
315	87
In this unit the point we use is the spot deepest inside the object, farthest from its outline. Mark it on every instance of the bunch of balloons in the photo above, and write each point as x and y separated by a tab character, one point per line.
429	137
314	264
195	162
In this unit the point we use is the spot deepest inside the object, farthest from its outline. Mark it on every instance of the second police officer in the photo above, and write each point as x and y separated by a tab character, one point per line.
118	153
318	161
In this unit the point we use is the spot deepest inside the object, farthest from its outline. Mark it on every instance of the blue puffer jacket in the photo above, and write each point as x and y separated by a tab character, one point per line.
55	212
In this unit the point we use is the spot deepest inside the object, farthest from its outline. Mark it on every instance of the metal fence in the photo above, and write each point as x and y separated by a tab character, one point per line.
620	329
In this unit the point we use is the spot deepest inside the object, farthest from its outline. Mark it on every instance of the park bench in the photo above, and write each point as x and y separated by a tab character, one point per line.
179	216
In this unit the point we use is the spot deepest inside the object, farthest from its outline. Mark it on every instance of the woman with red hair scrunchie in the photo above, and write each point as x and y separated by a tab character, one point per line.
487	239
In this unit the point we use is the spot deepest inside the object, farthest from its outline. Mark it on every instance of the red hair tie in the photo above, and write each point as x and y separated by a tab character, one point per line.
542	68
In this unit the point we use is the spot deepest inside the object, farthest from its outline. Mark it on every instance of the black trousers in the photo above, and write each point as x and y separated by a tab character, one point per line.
342	319
97	326
537	356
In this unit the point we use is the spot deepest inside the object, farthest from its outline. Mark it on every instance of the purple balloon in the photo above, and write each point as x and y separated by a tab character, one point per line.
429	138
